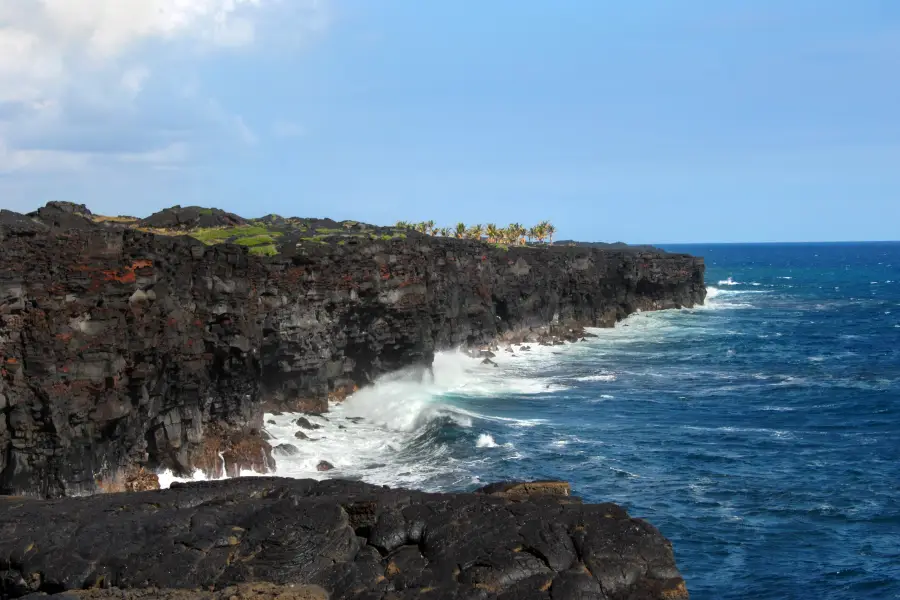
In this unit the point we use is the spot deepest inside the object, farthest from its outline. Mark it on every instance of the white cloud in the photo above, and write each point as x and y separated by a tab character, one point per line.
133	79
12	161
62	58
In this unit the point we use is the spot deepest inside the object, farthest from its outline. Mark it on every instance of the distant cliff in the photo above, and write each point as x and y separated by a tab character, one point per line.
121	348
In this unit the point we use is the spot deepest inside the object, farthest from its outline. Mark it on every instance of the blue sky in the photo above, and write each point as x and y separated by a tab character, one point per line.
659	121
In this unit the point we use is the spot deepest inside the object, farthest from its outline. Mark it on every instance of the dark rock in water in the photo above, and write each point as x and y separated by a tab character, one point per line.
589	335
488	361
526	489
122	349
521	540
285	450
324	465
487	354
525	348
301	436
341	427
305	424
355	419
271	422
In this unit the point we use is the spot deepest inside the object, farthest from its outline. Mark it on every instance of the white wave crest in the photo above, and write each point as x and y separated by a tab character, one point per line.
486	440
598	377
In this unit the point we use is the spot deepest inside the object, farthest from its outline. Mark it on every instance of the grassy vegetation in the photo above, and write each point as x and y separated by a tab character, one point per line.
105	219
267	250
256	240
252	234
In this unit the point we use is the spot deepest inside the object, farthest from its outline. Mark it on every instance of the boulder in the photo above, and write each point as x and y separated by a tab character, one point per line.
285	450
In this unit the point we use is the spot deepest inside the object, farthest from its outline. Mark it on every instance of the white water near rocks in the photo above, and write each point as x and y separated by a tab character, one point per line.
373	434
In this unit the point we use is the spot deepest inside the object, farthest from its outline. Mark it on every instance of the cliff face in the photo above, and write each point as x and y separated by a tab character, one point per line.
122	349
348	539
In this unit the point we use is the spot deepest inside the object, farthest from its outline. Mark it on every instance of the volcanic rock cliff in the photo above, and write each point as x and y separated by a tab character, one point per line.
122	349
300	539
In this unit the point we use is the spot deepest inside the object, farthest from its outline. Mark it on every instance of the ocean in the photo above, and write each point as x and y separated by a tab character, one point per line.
760	432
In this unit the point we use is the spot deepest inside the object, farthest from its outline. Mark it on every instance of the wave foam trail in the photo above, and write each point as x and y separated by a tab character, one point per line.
401	429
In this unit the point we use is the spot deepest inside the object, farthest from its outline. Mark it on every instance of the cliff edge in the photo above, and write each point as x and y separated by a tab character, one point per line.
126	347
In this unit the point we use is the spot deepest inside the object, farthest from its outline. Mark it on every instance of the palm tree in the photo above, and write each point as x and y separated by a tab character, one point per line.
532	233
541	230
422	227
403	224
475	231
550	229
493	233
516	233
460	231
429	227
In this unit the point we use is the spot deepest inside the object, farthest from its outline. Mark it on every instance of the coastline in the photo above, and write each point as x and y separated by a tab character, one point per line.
125	352
361	435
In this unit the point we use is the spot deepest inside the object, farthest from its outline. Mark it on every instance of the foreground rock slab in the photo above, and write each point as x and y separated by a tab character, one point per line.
352	540
245	591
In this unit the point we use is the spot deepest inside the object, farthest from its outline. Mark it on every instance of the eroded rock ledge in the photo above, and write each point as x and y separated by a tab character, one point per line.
351	539
122	350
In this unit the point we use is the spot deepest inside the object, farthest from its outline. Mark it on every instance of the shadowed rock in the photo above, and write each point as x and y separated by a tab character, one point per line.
352	539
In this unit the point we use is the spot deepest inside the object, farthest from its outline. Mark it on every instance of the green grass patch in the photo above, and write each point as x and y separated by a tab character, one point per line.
217	235
268	250
256	240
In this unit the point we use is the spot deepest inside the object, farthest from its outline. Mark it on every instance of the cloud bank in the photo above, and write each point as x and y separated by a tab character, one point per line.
90	82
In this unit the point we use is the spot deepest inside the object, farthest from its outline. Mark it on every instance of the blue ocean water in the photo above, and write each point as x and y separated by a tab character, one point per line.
760	433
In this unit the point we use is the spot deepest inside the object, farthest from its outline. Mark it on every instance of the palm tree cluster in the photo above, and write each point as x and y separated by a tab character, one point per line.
513	235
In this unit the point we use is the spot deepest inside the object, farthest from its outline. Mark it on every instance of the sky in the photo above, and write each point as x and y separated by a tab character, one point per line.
650	122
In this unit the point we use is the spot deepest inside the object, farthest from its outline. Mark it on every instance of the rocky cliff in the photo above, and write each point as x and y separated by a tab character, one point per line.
283	539
122	349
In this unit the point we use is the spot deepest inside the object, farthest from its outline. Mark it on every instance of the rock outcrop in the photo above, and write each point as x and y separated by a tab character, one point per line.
257	537
122	349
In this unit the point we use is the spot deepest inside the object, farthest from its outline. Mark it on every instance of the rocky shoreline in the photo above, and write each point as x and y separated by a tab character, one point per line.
128	347
273	538
125	351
